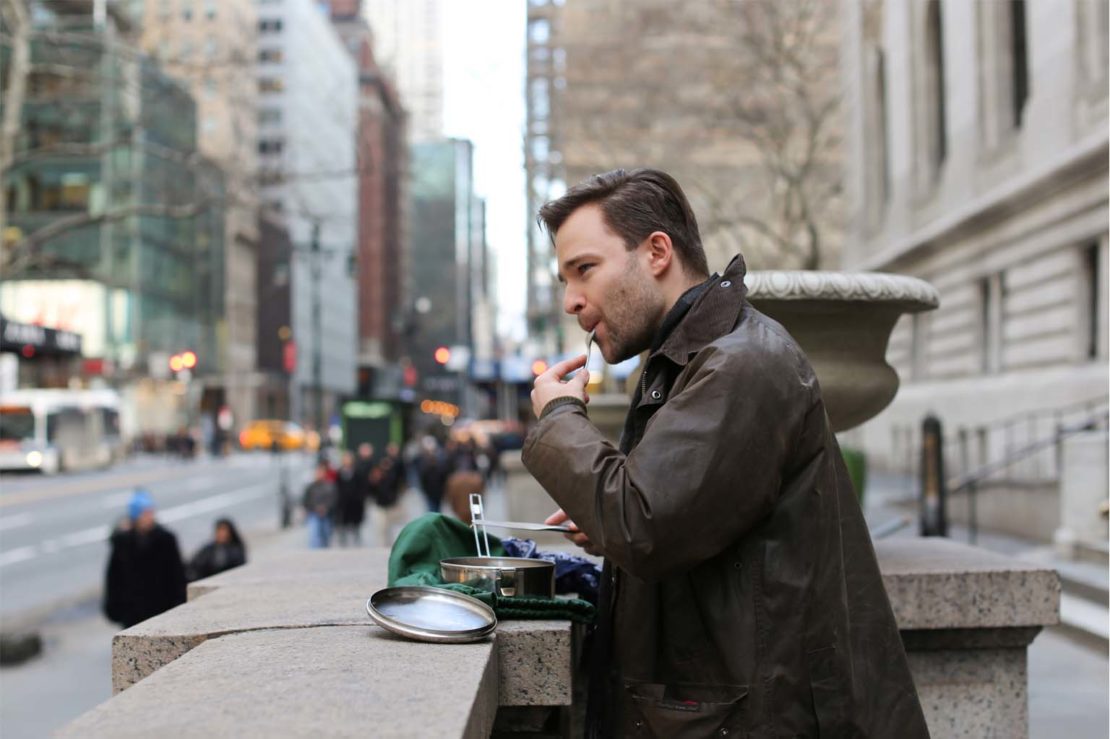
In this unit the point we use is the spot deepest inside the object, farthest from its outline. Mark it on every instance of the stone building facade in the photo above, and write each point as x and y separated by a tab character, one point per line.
977	160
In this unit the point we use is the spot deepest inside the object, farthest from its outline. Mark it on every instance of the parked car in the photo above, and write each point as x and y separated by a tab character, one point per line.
264	433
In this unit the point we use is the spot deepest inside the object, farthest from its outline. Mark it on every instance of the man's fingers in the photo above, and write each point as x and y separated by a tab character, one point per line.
556	518
559	370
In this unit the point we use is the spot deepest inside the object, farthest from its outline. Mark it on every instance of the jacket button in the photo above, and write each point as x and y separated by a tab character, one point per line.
723	731
656	395
726	283
738	564
639	724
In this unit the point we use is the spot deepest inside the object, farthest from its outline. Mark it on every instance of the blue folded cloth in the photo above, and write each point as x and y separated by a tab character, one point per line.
572	574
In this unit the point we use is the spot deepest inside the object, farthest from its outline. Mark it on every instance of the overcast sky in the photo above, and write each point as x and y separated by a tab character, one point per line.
484	102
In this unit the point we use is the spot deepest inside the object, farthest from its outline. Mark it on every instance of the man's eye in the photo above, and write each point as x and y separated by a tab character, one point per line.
583	267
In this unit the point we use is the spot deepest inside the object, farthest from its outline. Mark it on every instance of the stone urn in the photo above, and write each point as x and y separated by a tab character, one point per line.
843	321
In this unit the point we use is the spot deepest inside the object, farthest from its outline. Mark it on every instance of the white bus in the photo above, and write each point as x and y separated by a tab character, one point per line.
55	430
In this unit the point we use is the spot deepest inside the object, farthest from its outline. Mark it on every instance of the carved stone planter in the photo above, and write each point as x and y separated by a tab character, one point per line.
843	320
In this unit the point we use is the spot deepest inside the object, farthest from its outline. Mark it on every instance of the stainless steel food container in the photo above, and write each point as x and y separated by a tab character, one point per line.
506	576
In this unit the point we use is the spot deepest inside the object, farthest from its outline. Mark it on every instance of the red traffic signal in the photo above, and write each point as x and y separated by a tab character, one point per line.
442	355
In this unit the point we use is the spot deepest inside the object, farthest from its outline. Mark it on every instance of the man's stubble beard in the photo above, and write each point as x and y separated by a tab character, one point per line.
635	314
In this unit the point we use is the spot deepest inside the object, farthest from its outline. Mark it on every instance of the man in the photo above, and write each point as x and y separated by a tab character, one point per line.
388	479
319	504
145	573
741	594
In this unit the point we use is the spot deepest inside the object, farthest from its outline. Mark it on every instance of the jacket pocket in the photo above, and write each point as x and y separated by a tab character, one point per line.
683	710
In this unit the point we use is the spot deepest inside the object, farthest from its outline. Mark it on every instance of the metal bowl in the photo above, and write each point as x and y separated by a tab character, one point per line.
506	576
431	614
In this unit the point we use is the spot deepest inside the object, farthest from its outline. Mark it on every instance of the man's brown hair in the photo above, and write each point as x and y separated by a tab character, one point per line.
635	203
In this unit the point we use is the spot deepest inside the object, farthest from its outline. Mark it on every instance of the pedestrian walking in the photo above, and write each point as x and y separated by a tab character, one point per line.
145	574
388	482
434	467
225	551
319	504
351	492
740	594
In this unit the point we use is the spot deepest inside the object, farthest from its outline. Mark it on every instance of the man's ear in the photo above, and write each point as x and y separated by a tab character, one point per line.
660	253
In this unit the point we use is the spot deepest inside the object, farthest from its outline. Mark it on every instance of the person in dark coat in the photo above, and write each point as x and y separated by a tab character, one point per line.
433	467
351	510
145	574
226	550
741	594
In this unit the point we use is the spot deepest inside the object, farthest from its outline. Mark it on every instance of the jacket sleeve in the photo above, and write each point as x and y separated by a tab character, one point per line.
708	468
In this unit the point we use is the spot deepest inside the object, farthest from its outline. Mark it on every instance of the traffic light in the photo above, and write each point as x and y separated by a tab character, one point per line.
442	355
539	367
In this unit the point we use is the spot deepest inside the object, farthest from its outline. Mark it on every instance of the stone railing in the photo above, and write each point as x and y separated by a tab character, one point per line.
285	648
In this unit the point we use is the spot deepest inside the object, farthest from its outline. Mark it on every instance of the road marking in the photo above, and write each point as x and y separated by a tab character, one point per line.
117	500
68	488
18	555
98	534
14	522
205	505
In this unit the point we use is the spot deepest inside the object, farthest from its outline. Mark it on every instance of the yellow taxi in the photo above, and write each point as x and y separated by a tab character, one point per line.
264	433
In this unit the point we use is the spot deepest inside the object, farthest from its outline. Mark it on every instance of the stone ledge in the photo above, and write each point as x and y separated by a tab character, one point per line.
940	584
305	682
328	588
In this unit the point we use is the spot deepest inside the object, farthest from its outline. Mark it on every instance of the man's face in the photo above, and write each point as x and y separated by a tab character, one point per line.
605	286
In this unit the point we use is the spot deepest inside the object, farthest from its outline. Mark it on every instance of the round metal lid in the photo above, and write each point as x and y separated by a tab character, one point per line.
431	614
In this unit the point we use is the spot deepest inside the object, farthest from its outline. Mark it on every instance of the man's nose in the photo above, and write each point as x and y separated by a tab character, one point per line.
573	301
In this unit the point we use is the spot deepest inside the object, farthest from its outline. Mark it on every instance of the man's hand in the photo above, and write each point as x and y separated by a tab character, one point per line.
550	385
576	536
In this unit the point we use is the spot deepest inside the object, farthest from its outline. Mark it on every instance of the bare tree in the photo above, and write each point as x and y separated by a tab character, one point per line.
737	98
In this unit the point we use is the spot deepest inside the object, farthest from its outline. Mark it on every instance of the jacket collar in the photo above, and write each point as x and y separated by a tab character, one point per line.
713	315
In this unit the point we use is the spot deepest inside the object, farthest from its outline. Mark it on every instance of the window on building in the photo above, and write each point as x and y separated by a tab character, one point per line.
186	10
269	25
875	111
1020	55
1092	35
1093	301
269	115
271	84
539	30
270	146
270	55
209	9
1003	57
211	46
935	91
990	323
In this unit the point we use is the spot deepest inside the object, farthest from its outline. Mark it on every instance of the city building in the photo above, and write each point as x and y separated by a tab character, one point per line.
448	269
737	100
382	152
307	127
115	222
977	160
210	47
408	44
277	352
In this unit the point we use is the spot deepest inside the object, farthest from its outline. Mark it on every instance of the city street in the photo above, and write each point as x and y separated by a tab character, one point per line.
54	530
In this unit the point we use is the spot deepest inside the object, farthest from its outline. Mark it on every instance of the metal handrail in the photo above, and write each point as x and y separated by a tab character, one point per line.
970	481
1061	432
1042	414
